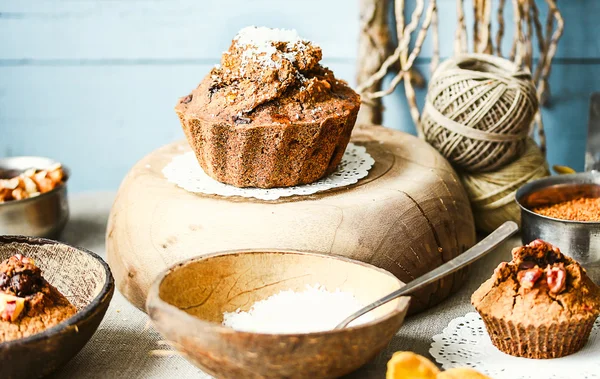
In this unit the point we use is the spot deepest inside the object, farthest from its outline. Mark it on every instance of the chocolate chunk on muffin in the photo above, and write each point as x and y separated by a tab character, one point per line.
540	305
28	303
269	115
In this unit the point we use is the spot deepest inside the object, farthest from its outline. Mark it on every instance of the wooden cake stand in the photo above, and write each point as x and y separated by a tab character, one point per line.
408	216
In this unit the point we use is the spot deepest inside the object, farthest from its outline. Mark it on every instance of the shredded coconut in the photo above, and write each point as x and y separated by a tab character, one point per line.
289	56
312	310
260	48
261	36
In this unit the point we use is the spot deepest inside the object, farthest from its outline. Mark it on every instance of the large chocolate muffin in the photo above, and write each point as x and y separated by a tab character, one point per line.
540	305
269	115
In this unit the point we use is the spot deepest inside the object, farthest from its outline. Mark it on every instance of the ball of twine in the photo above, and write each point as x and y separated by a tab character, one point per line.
492	194
478	111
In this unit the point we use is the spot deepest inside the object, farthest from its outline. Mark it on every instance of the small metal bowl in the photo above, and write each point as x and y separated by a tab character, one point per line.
578	239
41	216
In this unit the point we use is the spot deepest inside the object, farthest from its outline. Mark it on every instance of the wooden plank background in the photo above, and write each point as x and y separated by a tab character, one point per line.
93	83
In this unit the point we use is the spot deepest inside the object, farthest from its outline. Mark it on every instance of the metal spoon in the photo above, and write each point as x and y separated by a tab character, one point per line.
479	250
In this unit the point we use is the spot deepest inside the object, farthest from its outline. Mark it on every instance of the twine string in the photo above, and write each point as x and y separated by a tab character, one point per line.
492	194
478	111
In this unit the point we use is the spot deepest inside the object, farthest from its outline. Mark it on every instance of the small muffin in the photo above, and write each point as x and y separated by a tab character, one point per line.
540	305
269	115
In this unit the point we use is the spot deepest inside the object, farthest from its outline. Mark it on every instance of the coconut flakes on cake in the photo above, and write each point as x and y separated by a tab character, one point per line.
259	43
261	36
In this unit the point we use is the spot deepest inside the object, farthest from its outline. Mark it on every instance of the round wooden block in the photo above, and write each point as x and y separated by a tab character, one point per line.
408	216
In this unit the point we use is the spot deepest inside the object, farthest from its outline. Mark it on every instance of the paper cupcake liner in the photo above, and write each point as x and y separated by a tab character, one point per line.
542	342
268	156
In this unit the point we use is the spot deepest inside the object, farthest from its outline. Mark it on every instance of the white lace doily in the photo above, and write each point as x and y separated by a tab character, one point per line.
186	173
465	342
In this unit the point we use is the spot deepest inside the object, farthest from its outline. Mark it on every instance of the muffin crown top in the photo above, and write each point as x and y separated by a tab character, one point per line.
537	261
259	48
272	76
540	284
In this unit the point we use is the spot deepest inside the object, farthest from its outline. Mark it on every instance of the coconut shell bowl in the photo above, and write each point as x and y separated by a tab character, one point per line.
186	304
85	279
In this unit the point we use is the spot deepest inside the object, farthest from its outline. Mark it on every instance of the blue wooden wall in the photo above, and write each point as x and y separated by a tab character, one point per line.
93	83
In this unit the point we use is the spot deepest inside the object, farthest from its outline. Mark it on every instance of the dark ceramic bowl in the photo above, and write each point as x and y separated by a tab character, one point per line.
85	279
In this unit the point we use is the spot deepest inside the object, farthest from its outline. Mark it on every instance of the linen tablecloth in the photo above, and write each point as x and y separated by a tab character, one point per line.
121	347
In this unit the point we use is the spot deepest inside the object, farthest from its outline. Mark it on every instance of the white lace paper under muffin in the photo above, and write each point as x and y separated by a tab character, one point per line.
465	342
186	173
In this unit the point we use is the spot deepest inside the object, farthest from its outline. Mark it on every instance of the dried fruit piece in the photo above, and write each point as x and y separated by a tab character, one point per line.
10	307
528	278
54	167
408	365
19	194
44	184
29	172
10	183
461	373
526	265
563	169
28	184
56	175
26	260
5	194
556	277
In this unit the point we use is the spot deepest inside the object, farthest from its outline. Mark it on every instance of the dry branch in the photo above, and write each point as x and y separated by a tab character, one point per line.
435	34
404	42
500	33
402	45
460	38
375	60
539	33
552	43
373	46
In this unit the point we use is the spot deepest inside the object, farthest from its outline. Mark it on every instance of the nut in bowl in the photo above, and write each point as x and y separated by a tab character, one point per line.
33	196
199	292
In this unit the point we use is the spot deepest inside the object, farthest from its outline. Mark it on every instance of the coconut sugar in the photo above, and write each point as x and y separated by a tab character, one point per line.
580	209
312	310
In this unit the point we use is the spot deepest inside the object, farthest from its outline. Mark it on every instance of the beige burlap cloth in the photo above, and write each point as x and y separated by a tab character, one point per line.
121	346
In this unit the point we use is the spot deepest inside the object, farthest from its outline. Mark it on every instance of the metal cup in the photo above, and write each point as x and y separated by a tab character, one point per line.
42	216
577	239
